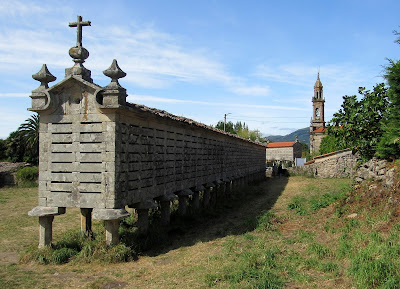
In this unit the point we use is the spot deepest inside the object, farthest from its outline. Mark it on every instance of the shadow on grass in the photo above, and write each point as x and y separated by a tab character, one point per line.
236	214
242	211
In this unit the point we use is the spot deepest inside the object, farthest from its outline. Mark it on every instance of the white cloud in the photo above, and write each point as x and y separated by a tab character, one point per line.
19	8
255	90
151	59
16	94
147	98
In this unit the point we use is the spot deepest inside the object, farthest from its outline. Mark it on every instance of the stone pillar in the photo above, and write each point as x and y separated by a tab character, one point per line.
143	221
112	226
45	231
196	198
182	205
165	212
183	197
227	188
209	187
165	204
111	219
142	210
46	217
216	193
86	221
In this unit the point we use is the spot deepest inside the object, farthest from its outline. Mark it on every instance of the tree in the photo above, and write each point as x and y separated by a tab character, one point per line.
3	149
241	130
229	127
358	124
23	144
29	132
330	143
389	144
15	147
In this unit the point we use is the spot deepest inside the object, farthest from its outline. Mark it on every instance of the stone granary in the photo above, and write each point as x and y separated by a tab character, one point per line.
283	151
101	154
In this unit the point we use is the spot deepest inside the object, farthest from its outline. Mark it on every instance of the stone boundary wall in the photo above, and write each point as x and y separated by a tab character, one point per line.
339	164
7	173
7	179
376	170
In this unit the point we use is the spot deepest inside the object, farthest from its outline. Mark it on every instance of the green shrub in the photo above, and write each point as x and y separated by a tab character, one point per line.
62	255
27	176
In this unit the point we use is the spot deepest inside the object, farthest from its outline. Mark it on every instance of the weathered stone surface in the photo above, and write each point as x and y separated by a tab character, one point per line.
45	230
109	214
339	164
376	170
40	211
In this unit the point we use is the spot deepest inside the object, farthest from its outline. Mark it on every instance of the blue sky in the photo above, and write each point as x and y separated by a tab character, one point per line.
257	60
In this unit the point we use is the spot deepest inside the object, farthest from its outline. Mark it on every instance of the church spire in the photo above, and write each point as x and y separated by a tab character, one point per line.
318	89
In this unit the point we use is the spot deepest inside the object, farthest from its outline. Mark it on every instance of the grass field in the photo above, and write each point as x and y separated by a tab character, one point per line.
292	232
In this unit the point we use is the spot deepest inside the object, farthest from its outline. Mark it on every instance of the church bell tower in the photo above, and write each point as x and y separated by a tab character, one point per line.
317	126
318	119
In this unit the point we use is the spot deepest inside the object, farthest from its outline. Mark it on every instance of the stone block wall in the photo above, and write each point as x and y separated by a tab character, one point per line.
340	164
280	154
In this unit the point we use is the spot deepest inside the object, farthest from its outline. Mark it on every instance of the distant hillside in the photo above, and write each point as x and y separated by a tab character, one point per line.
302	134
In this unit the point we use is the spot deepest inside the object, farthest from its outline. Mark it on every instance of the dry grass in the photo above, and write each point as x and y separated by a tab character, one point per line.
215	250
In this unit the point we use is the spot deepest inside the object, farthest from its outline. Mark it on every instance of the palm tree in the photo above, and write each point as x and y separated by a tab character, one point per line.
29	132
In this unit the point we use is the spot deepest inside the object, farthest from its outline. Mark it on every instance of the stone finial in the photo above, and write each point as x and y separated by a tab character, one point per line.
114	72
114	94
39	97
44	76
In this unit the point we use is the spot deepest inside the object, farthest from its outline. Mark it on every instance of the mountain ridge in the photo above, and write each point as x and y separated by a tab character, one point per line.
302	134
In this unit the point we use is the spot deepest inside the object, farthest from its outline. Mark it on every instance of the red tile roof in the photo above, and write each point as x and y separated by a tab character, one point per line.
320	129
280	144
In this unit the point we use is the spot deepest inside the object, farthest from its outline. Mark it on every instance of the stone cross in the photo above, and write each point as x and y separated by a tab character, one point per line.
79	24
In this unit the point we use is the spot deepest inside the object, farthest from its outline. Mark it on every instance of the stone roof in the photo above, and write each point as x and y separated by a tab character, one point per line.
165	114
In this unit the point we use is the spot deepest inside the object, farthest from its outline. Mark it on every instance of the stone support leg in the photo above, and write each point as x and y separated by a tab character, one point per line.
45	231
213	200
143	220
196	201
86	221
112	237
165	212
207	197
228	189
182	205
